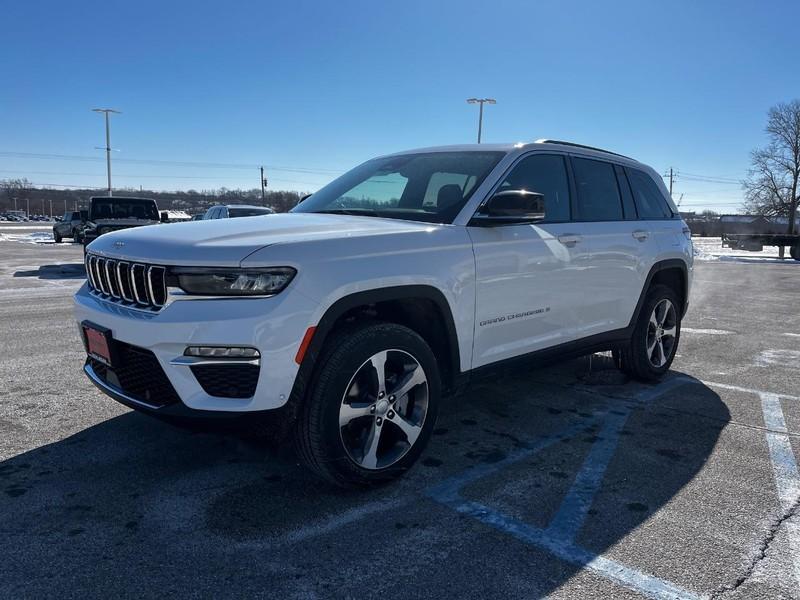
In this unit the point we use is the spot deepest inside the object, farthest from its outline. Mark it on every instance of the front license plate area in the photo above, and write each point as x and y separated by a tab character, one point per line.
99	343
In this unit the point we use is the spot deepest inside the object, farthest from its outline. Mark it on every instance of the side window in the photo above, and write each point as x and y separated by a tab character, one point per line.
598	193
650	202
545	174
67	217
628	207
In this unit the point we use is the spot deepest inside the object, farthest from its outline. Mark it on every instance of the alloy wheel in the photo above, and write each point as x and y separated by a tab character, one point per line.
383	409
661	333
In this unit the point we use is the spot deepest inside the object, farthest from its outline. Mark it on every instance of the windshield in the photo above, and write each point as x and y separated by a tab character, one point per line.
430	187
248	212
109	208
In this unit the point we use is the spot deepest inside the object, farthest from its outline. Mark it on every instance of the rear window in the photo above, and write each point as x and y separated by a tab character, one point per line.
650	202
598	194
248	212
109	208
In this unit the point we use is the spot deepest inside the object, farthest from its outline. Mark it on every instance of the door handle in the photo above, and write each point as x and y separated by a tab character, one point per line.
641	234
569	239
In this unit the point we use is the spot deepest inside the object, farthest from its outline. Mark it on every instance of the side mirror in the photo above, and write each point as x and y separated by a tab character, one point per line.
510	207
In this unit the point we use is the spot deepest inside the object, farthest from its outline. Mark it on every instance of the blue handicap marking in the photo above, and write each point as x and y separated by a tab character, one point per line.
559	537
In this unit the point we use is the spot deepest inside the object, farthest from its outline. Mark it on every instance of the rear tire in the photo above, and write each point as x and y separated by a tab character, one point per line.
357	428
794	252
57	237
655	337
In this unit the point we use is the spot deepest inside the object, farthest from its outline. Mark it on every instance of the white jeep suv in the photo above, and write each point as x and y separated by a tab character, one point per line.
349	318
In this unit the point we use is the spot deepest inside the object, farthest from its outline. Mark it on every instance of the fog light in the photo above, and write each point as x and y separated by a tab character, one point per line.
221	352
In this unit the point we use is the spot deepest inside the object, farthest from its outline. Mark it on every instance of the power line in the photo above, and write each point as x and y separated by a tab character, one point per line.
138	176
174	163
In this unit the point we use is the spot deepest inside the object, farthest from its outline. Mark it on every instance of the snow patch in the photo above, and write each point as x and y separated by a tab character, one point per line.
779	357
710	248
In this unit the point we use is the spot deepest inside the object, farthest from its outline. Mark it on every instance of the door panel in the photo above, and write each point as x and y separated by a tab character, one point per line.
620	259
528	294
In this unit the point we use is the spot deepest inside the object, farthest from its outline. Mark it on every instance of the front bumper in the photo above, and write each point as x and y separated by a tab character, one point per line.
275	326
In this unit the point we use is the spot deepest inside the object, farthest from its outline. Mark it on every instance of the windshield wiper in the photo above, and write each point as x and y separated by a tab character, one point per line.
358	212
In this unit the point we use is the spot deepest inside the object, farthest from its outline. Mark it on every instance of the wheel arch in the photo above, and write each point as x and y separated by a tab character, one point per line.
405	305
671	272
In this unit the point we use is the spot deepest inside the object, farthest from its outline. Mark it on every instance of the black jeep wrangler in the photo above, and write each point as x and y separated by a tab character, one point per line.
108	213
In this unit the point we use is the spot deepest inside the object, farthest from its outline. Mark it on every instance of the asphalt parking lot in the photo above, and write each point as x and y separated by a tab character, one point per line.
566	482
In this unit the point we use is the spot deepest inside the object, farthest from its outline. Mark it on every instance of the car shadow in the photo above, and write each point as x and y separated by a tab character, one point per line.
57	271
132	505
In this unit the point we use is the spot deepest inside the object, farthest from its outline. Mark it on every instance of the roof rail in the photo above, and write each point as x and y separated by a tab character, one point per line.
574	145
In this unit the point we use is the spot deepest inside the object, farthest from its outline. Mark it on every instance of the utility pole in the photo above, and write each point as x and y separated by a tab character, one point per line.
106	111
481	101
51	208
263	186
671	176
28	207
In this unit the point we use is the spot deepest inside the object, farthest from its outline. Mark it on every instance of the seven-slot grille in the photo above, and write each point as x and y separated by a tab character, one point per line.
131	283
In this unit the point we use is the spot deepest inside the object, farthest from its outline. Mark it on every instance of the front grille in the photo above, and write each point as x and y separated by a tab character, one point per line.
138	375
227	381
133	284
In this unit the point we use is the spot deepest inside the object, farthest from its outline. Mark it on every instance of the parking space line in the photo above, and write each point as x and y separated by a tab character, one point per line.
784	465
558	538
572	512
647	585
737	388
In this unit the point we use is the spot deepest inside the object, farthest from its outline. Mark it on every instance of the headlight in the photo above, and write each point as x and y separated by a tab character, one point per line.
232	282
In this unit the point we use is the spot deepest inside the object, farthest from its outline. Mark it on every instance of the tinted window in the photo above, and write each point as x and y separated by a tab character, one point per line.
598	194
545	174
650	203
109	208
248	212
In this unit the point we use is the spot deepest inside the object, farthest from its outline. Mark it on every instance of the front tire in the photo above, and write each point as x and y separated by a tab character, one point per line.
652	348
372	405
794	252
57	237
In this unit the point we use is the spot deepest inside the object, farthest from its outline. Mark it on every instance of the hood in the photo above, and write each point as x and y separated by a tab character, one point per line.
226	242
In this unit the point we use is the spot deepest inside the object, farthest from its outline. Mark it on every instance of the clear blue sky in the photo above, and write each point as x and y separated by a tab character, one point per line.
320	86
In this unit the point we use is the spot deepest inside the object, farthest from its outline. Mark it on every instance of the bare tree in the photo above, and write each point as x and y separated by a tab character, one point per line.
771	188
11	189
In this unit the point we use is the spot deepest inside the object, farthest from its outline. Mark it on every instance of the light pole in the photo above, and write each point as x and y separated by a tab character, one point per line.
481	101
105	111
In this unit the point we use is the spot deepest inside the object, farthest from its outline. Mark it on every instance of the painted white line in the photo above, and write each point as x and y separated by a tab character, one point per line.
350	516
796	335
784	465
706	331
738	388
